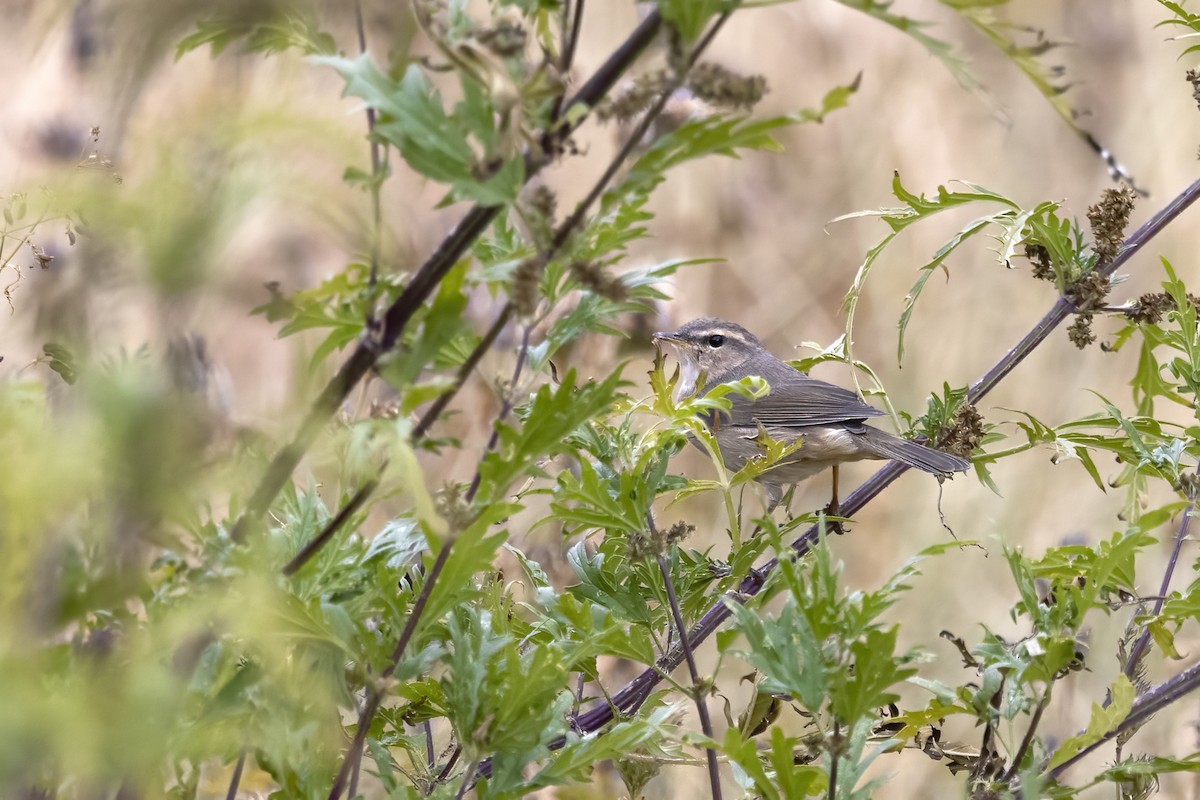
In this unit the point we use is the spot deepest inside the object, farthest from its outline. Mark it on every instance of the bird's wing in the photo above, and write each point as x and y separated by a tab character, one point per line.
798	401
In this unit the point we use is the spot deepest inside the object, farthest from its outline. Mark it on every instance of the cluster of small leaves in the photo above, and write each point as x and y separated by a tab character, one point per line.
952	423
1015	679
827	652
1181	18
1055	247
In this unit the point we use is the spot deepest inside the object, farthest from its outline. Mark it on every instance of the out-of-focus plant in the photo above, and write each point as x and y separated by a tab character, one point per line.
175	606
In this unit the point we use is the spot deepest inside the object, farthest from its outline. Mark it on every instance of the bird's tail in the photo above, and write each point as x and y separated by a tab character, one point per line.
914	454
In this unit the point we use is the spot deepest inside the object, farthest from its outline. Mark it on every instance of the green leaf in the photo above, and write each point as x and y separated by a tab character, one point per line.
552	414
432	142
61	360
1103	722
271	32
943	51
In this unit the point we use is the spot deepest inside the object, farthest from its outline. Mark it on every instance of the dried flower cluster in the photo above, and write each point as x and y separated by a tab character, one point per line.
707	82
1039	257
1152	306
526	291
635	97
540	205
593	278
725	88
964	433
1109	218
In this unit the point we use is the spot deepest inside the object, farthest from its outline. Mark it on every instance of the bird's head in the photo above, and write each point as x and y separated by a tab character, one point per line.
711	346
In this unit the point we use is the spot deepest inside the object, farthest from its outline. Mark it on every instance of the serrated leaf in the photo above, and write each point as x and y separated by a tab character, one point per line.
1103	721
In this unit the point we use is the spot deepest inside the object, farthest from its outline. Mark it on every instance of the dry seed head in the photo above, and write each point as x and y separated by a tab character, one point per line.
593	278
1150	308
679	531
964	433
1109	218
1090	291
634	97
1039	256
1080	333
526	291
723	87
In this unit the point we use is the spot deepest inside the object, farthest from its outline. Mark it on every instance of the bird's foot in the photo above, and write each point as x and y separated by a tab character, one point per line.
833	525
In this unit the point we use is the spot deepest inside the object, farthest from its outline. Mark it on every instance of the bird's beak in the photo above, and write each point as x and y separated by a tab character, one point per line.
663	336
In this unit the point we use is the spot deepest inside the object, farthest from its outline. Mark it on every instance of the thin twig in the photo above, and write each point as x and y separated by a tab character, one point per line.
375	692
714	775
422	284
430	756
505	409
833	761
1027	741
236	779
321	539
419	431
572	43
445	773
376	159
571	21
1139	647
439	405
468	776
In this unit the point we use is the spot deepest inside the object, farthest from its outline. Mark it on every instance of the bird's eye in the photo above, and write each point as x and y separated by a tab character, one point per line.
716	340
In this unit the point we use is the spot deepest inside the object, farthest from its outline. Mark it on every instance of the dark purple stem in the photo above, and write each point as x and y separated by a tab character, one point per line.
236	779
376	159
375	692
1139	647
714	774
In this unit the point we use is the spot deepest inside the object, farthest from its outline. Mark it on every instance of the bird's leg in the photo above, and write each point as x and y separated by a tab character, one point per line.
832	509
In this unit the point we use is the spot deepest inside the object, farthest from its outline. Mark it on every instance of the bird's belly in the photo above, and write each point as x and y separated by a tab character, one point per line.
823	447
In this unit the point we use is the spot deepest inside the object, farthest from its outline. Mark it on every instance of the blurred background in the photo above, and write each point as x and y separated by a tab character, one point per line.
225	175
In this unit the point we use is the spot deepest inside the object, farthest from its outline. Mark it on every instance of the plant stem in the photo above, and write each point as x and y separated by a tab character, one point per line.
421	285
468	777
1027	741
505	409
419	431
236	778
375	693
1139	647
376	160
439	405
449	764
321	539
714	775
833	762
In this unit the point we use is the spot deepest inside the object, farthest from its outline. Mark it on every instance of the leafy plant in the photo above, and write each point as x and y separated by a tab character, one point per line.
323	616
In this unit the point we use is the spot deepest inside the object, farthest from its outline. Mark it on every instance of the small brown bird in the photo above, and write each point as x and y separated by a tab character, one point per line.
831	420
